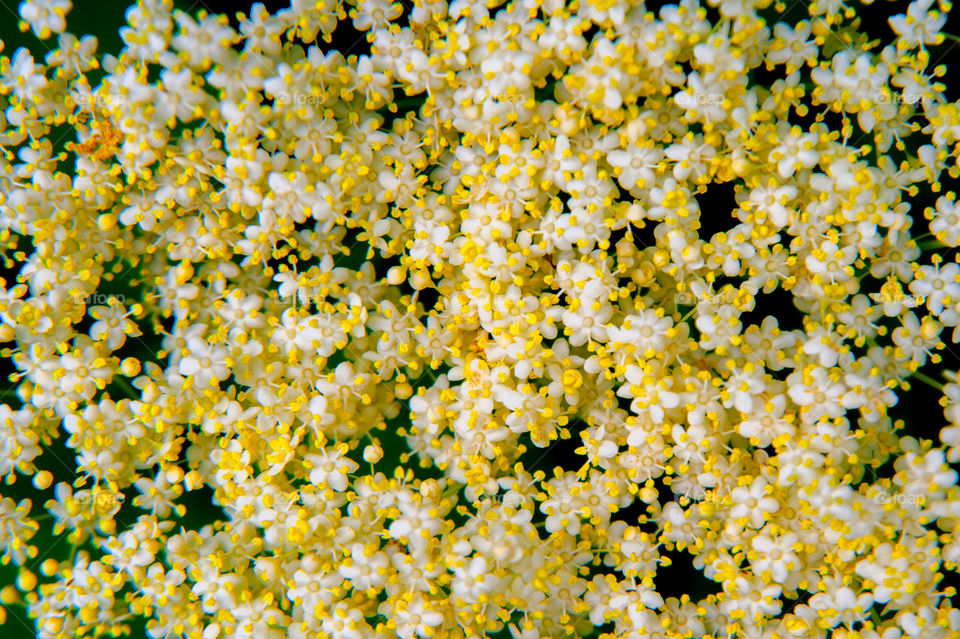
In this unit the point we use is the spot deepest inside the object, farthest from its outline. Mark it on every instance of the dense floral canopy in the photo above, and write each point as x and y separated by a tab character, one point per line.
460	337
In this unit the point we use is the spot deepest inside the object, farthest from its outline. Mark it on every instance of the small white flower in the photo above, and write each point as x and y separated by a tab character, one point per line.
329	469
46	17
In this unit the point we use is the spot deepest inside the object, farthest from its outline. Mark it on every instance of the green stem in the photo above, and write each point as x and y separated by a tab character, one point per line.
875	618
451	490
928	380
931	245
130	391
689	313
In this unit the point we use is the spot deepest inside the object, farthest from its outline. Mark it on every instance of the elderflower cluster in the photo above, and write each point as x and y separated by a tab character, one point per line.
457	337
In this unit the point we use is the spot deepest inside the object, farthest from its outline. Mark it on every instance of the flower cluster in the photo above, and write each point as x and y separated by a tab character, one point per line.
366	298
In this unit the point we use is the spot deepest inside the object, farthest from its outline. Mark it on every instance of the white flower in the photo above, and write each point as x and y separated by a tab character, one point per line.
203	42
831	262
157	494
692	157
345	622
753	503
329	468
413	616
473	579
45	17
636	165
817	393
562	508
16	528
938	286
796	151
311	586
375	14
112	325
564	37
824	345
792	45
775	556
507	71
768	422
917	339
416	523
589	191
755	599
680	525
643	333
203	362
919	26
945	220
702	100
365	567
262	30
742	388
588	322
239	310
